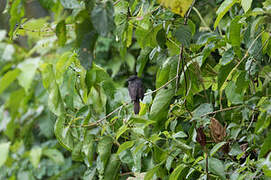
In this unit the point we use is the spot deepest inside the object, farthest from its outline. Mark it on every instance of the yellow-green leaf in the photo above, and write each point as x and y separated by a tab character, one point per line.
177	6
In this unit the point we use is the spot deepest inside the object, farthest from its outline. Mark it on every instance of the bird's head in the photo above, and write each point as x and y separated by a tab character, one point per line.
132	78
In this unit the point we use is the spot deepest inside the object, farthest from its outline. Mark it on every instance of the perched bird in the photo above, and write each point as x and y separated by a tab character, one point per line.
136	91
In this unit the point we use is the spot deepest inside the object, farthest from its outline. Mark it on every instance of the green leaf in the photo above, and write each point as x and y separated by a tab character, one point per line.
4	149
184	147
16	13
161	38
125	145
121	130
183	34
234	35
202	109
232	95
55	102
70	4
55	155
263	122
223	74
223	9
2	34
8	52
149	175
163	74
63	64
62	133
160	103
8	78
103	18
177	171
180	134
142	60
35	155
227	57
246	4
217	167
177	6
104	149
61	33
216	148
266	146
112	169
28	69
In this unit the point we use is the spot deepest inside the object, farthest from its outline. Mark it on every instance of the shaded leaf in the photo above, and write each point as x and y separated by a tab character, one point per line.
227	57
183	34
103	18
104	149
177	171
112	168
216	148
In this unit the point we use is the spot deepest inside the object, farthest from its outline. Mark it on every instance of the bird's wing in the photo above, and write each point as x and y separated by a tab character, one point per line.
140	90
132	88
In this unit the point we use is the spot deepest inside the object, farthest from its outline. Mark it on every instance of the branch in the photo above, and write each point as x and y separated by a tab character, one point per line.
221	110
166	84
108	115
116	2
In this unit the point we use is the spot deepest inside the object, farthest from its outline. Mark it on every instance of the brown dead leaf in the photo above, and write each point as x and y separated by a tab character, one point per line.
218	132
201	138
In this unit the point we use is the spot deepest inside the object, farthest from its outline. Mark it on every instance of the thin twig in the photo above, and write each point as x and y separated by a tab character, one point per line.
108	115
127	173
181	54
166	84
201	18
116	2
235	67
221	110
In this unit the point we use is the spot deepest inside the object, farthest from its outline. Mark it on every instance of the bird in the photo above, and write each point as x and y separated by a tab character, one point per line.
136	91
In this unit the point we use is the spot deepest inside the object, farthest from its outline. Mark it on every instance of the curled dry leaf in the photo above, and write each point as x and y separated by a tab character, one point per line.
201	138
218	132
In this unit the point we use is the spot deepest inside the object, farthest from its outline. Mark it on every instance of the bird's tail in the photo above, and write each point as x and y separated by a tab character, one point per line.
136	106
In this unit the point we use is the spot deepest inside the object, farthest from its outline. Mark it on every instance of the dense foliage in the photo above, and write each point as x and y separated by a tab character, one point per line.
65	110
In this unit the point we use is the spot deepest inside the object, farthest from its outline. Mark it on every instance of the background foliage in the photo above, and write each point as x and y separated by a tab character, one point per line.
204	65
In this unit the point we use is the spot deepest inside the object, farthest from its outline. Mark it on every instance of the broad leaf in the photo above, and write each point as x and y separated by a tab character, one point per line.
4	150
35	155
223	9
8	78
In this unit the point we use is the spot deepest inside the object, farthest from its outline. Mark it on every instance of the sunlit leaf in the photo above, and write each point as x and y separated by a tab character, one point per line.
223	9
35	155
28	69
177	6
246	4
4	150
